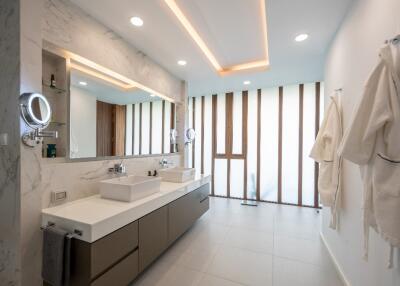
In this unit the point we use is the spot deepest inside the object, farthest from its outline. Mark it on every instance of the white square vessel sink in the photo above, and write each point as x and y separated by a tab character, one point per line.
177	174
129	188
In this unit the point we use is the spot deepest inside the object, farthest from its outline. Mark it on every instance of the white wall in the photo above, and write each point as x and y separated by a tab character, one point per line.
352	57
83	123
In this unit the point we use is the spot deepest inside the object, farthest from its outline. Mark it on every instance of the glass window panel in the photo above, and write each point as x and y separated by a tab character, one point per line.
156	129
237	123
308	141
252	145
269	144
207	134
290	144
129	129
167	127
197	128
221	123
237	178
190	125
145	127
220	177
136	131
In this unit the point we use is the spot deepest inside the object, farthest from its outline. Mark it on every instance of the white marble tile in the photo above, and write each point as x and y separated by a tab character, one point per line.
260	241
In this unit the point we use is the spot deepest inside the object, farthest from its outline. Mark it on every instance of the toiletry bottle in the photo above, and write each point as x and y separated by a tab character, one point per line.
52	81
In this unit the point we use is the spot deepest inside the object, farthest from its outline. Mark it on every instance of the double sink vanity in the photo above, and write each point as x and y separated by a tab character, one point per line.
133	220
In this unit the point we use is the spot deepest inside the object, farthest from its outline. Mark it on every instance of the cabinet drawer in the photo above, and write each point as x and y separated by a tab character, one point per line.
108	250
121	274
153	236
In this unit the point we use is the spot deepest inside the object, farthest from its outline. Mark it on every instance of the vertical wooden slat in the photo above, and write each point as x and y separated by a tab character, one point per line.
280	145
202	133
228	138
244	138
163	127
172	122
133	129
317	119
300	160
151	129
258	188
228	123
193	126
214	140
140	127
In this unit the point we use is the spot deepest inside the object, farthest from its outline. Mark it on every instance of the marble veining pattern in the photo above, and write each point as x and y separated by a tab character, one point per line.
9	155
67	26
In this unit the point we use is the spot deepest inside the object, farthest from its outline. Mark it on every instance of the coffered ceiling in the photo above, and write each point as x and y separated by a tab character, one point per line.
235	33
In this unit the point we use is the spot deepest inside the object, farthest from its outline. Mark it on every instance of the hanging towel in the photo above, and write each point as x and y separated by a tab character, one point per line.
324	152
56	253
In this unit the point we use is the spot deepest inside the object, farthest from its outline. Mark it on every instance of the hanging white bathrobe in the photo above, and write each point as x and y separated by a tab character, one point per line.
324	152
373	142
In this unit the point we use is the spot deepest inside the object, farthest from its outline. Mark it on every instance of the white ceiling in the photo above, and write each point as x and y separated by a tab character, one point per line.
231	29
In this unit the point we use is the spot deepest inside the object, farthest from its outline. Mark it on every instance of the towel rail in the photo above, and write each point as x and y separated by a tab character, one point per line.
76	232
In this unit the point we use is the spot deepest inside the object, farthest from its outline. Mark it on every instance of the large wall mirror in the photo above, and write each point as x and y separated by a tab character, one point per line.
108	114
109	120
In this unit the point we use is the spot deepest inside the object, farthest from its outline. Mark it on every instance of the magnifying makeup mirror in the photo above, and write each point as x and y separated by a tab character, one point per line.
190	135
36	112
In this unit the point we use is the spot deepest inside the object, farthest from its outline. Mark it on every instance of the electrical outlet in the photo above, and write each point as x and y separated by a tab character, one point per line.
58	196
3	139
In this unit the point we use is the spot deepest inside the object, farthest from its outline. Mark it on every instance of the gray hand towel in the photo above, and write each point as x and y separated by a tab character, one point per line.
53	256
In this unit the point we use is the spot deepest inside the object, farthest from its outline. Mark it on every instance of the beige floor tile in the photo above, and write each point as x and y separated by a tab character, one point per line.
242	266
250	239
208	280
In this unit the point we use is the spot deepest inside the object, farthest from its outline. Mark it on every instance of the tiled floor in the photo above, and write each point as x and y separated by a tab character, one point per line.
235	245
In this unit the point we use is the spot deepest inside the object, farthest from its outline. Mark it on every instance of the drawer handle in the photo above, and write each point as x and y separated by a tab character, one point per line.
204	199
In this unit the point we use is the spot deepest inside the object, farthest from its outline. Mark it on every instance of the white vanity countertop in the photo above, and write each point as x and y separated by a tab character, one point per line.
97	217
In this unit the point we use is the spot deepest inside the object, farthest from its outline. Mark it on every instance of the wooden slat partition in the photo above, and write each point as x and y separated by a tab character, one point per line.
300	152
194	127
245	101
214	141
258	187
280	145
202	133
317	119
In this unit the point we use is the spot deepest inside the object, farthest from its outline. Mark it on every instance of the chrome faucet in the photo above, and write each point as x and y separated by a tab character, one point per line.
119	169
164	163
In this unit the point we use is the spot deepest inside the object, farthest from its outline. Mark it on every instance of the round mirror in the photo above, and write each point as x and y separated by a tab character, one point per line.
190	135
35	110
173	134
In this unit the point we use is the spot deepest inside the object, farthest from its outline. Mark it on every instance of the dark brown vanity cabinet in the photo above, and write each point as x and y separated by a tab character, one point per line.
153	236
186	210
119	257
98	262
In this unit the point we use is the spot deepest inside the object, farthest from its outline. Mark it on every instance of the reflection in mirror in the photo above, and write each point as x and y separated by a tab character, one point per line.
108	119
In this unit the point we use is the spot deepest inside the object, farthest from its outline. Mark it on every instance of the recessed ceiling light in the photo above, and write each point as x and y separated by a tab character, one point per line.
182	63
301	37
246	82
136	21
84	83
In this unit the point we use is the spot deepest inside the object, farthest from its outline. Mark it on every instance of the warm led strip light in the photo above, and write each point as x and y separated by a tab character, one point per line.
262	64
91	68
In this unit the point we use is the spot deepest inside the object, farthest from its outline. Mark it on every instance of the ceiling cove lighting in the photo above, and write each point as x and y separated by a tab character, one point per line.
301	37
182	63
84	83
261	64
137	21
247	82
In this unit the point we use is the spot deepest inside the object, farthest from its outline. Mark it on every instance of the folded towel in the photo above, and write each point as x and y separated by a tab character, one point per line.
53	263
